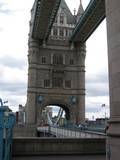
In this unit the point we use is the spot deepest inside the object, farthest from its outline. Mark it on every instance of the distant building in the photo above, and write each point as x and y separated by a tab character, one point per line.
21	115
44	116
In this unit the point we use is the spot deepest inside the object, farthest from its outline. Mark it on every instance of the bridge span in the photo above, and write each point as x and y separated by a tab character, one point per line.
89	21
43	18
45	13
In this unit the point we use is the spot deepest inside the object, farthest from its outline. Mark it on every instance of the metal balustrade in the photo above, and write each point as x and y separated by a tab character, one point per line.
7	121
61	132
74	133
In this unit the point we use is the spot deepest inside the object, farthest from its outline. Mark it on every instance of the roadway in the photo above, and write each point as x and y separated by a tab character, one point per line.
62	157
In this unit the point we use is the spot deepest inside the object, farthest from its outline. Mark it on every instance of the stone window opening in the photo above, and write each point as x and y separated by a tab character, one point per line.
43	60
57	59
57	82
71	62
46	83
56	19
66	33
68	84
61	32
55	31
61	18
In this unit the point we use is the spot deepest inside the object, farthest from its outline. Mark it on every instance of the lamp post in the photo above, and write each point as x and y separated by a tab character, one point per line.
104	106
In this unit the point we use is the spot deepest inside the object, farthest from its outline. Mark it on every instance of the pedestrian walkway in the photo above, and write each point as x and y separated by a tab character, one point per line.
63	157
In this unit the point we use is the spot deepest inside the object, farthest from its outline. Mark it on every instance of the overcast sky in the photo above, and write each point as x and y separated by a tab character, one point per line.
14	29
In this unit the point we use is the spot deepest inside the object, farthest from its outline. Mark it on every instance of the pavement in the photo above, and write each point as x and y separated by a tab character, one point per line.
62	157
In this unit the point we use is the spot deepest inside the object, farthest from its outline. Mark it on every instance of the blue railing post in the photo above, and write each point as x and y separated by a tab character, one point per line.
2	110
7	122
8	136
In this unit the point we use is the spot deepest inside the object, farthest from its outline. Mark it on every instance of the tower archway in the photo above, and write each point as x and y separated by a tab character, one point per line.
55	115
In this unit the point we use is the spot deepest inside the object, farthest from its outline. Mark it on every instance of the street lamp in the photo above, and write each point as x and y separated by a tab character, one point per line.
103	106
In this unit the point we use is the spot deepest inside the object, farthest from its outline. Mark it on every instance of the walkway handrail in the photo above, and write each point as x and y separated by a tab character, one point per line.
74	133
7	121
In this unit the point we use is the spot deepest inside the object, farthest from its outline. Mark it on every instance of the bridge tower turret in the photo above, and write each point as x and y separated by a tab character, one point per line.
80	11
56	74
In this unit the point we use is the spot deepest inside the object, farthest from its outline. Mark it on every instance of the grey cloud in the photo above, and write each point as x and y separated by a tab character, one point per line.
1	29
97	85
13	89
102	77
3	9
13	62
91	110
97	89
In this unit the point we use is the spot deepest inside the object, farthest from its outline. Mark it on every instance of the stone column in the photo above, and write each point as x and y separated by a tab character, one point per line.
113	30
81	84
32	78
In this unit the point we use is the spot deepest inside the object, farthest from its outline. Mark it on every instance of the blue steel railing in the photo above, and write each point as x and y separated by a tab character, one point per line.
7	121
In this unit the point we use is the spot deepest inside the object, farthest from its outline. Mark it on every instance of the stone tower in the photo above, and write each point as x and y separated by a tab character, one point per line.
56	74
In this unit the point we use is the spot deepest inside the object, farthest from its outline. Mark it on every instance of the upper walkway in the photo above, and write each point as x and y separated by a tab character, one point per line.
89	21
43	16
44	13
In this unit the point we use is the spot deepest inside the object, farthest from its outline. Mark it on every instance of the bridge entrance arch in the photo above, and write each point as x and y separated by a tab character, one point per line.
54	114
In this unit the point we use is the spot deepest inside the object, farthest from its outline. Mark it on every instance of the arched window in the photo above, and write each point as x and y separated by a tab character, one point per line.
55	31
71	62
66	33
57	59
56	19
61	33
61	18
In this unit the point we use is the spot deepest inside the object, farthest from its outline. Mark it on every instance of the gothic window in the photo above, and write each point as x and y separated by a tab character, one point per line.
43	60
57	82
55	31
71	62
46	83
66	32
68	83
70	32
56	19
61	18
57	59
61	33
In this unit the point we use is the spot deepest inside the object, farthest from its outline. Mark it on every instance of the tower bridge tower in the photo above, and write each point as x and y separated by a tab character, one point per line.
56	74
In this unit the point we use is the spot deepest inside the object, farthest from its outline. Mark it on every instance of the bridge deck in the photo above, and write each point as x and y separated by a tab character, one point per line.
65	157
92	17
43	18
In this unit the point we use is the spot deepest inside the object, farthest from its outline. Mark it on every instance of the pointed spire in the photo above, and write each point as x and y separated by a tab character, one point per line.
80	10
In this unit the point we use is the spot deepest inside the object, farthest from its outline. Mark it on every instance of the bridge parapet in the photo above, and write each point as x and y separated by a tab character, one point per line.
53	146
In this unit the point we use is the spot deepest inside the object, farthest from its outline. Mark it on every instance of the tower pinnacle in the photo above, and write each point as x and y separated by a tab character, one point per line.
80	11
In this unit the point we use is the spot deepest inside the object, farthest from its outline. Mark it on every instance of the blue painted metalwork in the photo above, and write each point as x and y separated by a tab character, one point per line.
7	121
43	18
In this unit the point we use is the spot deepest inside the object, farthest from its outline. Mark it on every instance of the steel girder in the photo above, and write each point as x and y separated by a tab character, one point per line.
44	15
